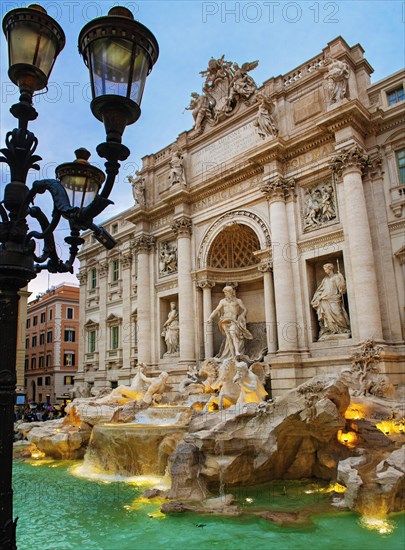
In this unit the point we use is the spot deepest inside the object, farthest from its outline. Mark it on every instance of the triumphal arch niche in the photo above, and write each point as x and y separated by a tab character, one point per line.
282	204
235	251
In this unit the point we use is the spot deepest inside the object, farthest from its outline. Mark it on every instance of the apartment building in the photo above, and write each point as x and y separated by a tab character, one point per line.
51	343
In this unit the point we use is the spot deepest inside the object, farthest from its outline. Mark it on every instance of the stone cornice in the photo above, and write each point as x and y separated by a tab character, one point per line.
349	158
393	226
224	276
315	243
353	113
181	227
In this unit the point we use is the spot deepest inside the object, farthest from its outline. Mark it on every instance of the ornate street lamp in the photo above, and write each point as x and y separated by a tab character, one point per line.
120	53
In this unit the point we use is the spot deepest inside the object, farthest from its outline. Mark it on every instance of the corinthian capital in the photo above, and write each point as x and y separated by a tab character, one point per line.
144	243
277	188
265	266
182	227
350	157
82	277
205	283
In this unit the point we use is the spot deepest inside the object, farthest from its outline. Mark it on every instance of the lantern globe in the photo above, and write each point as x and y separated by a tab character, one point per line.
120	53
34	42
81	180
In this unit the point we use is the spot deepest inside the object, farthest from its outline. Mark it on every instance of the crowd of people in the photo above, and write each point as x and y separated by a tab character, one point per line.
39	412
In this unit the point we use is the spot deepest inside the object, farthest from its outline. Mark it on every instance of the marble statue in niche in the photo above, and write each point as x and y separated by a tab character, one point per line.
232	324
329	306
171	331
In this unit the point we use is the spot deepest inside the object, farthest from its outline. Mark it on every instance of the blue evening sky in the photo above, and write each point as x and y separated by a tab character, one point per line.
280	34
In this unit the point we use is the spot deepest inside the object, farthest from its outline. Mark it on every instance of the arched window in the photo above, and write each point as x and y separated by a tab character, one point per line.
234	247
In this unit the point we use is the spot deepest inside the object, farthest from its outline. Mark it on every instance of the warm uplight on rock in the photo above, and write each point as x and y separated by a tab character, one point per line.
390	427
349	439
355	412
37	455
335	488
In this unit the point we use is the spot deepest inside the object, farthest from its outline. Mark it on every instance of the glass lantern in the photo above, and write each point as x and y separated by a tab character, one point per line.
81	180
34	42
119	52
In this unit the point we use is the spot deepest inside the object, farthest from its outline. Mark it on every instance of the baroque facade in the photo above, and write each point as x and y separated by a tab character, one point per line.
293	194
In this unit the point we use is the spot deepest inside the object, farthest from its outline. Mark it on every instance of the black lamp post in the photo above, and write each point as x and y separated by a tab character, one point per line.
120	53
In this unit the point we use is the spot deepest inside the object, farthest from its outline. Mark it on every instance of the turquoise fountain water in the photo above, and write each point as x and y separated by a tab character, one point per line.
58	510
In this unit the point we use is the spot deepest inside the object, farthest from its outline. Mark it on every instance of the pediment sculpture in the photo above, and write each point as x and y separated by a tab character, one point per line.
226	86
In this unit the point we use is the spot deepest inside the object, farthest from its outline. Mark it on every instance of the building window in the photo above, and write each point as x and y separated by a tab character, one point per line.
91	341
41	362
33	362
93	278
401	165
114	384
48	360
50	315
115	271
43	317
34	341
395	96
114	228
39	381
69	359
68	380
69	335
114	337
27	343
49	337
47	380
69	313
28	324
42	339
35	320
26	364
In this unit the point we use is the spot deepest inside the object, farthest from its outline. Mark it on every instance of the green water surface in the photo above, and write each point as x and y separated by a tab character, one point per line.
59	511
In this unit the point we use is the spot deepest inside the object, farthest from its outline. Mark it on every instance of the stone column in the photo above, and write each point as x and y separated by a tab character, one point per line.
143	245
207	309
269	306
349	165
276	190
182	229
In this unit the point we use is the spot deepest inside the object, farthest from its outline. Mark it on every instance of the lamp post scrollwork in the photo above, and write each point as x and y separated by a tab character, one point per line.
119	52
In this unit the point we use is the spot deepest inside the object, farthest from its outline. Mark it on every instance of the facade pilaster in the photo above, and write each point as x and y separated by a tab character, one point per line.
206	287
269	306
182	229
348	165
126	344
82	337
103	336
277	189
144	244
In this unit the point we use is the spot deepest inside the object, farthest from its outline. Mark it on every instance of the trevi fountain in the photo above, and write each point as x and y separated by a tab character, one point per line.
215	461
